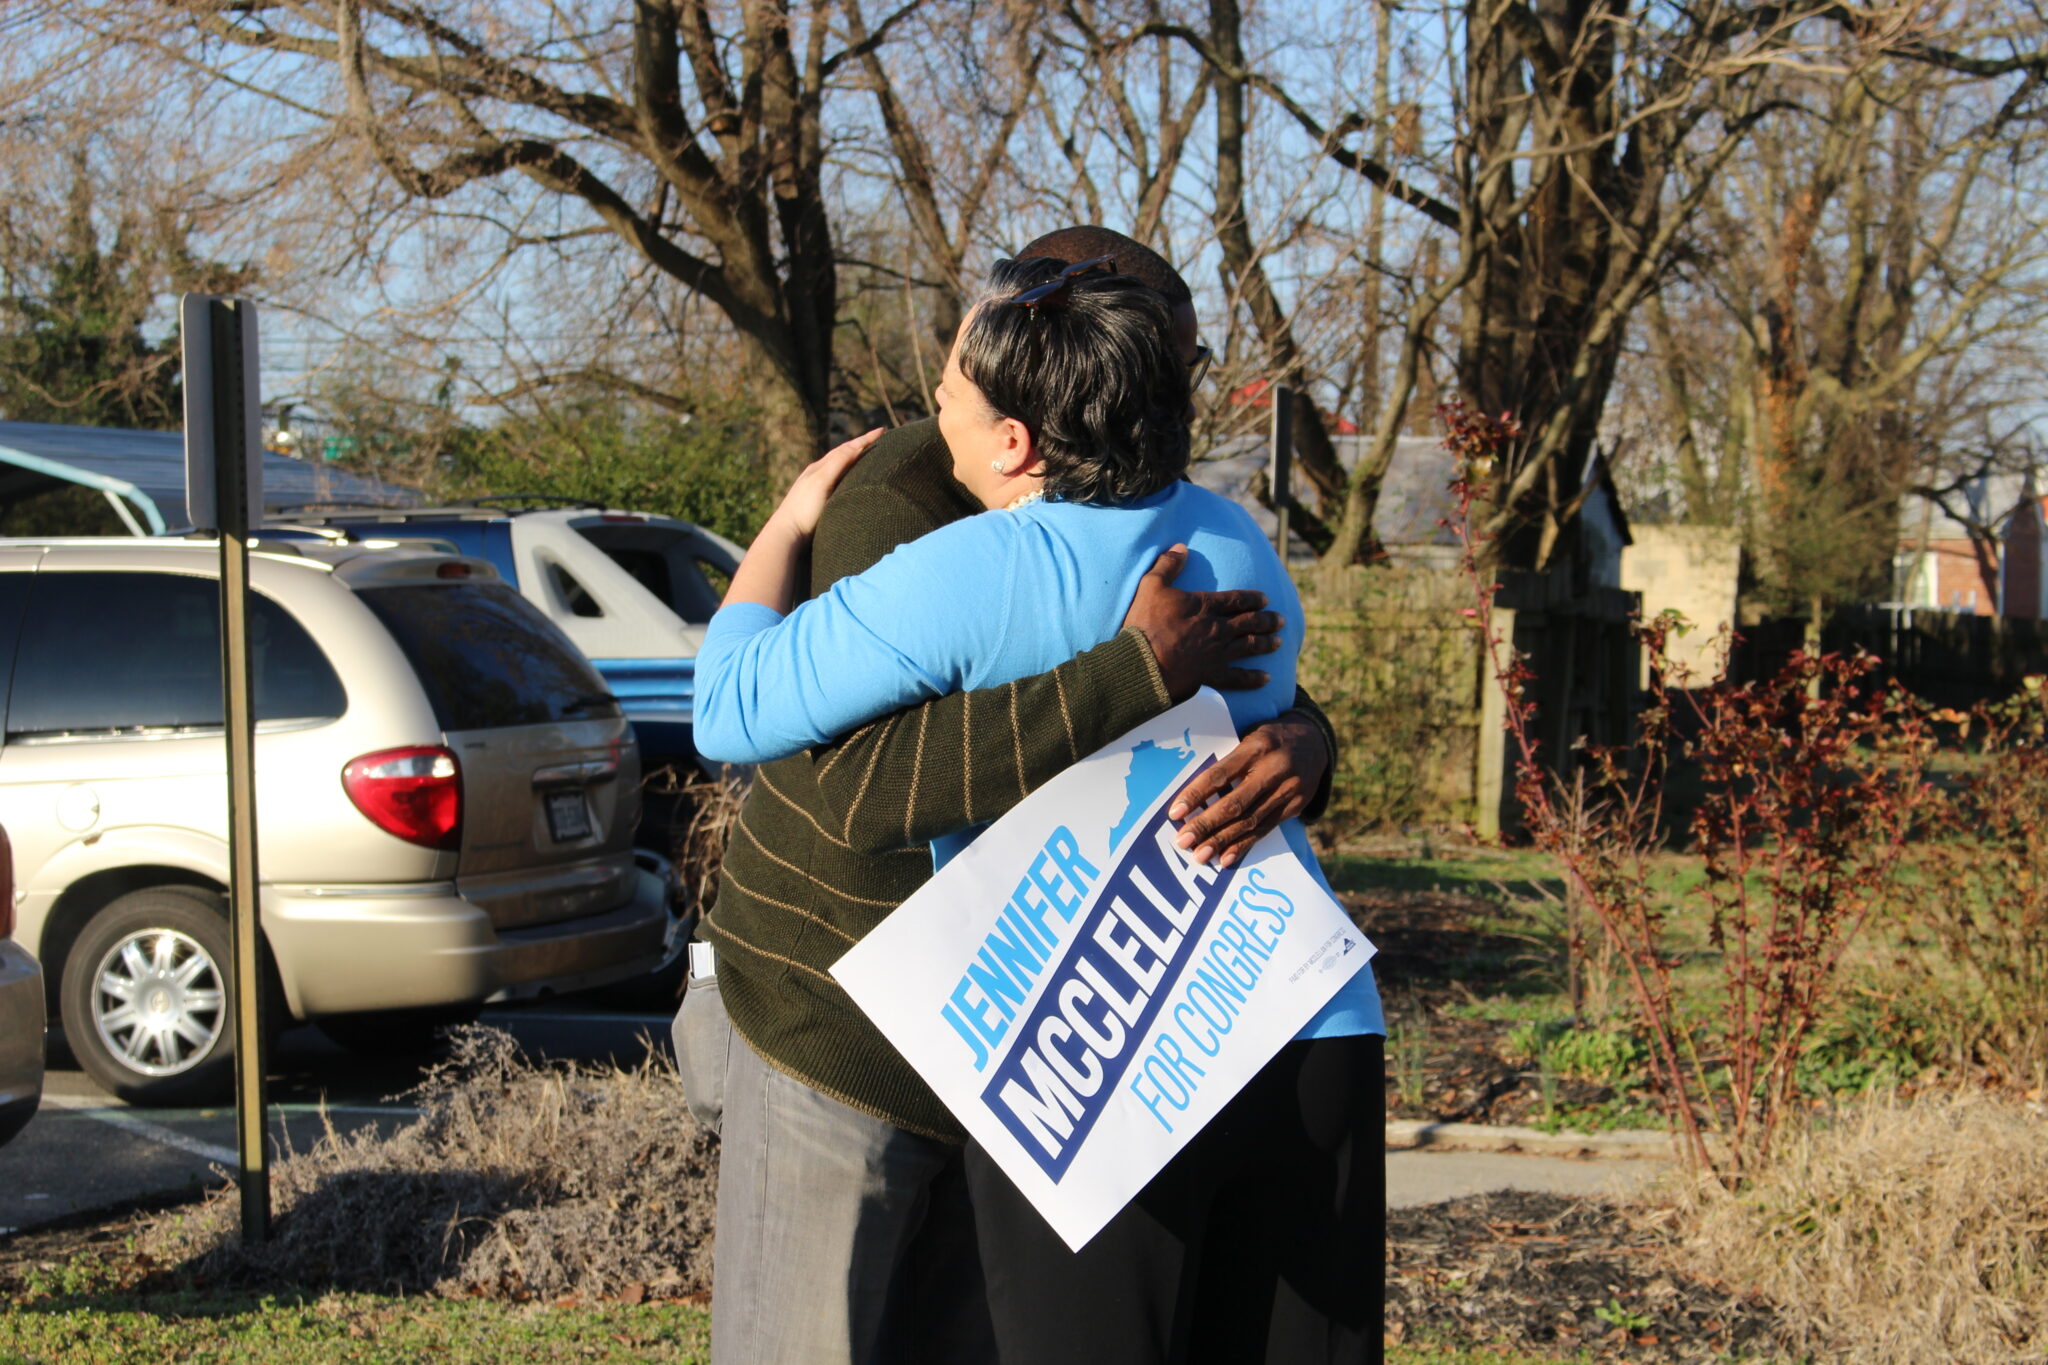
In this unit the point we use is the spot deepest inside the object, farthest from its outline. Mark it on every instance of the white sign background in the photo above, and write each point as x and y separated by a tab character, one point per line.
1082	996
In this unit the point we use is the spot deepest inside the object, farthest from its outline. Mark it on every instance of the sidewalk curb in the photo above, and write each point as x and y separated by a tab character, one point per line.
1408	1135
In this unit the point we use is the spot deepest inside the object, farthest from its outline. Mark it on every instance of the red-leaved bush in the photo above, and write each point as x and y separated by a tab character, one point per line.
1812	782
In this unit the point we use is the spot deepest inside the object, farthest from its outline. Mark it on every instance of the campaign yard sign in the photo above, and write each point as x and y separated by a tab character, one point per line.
1082	995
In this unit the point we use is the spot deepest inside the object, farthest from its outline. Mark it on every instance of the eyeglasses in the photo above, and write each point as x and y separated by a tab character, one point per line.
1198	368
1058	285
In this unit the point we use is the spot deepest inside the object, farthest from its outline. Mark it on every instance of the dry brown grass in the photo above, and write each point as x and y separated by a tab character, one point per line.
1902	1233
516	1180
714	805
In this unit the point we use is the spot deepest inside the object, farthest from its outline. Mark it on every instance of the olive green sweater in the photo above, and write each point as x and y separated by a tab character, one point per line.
830	841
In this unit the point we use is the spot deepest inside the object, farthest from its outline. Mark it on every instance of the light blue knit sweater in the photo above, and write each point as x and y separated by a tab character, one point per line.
982	602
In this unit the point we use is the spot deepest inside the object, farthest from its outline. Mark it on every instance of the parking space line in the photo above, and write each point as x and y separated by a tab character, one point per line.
277	1108
154	1132
538	1016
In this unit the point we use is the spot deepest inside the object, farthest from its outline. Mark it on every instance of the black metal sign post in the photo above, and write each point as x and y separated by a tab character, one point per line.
224	491
1280	463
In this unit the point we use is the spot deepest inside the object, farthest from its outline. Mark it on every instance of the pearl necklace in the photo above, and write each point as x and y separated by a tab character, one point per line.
1026	499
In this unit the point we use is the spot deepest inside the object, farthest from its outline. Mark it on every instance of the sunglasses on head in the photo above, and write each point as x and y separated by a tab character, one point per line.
1056	288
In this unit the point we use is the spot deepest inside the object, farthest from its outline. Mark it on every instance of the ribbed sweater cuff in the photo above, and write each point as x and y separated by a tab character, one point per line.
1124	689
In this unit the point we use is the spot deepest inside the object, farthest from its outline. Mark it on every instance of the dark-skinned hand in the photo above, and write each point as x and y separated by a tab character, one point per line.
1199	637
1274	771
1269	777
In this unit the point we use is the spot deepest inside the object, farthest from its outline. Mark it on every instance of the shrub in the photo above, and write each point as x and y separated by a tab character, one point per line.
714	805
1879	1032
1813	785
1810	785
1608	1056
709	470
516	1180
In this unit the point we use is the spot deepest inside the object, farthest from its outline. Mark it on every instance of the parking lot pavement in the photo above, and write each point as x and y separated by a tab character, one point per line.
85	1150
61	1164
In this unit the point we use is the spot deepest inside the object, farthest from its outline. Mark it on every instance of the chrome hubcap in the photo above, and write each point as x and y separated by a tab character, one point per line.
159	1002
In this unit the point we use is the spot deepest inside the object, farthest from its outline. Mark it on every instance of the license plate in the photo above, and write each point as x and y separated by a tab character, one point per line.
568	817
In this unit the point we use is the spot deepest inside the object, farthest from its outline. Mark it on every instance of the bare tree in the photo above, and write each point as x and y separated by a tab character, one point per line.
945	179
95	231
1874	261
690	132
1583	143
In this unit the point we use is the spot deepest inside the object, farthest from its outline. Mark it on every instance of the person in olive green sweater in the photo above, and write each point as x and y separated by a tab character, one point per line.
844	1230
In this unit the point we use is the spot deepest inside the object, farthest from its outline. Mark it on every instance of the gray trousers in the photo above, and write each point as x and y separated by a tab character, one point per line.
841	1238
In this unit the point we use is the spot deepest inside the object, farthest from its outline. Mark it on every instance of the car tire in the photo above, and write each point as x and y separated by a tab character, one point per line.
395	1033
148	1002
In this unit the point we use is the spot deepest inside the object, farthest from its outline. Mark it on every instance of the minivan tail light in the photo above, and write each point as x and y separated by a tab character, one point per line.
415	794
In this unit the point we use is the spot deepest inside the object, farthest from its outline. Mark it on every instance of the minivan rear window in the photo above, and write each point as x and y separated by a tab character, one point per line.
487	657
114	651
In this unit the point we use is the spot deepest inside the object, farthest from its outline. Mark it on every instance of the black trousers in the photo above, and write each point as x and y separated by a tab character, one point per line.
1262	1241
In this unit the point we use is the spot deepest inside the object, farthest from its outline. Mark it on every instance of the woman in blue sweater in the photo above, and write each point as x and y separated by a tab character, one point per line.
1065	408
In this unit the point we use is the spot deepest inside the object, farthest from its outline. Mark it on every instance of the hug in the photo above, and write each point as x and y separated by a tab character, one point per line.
932	624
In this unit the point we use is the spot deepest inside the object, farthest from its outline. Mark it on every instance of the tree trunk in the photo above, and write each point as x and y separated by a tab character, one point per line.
1244	277
793	430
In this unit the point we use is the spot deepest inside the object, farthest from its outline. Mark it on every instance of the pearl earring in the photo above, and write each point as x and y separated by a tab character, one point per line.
997	466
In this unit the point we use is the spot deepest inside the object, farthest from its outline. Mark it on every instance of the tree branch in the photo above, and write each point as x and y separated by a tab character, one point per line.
1329	139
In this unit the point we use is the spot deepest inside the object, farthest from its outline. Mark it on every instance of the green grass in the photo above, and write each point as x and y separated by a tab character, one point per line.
361	1329
343	1329
84	1310
1513	1009
1456	1355
79	1313
365	1330
1433	1353
75	1314
1878	1028
1521	873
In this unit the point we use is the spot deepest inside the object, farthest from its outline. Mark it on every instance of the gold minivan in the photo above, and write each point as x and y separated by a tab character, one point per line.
446	796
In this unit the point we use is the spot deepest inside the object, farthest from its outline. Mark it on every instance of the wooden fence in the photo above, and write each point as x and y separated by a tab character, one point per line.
1948	658
1402	673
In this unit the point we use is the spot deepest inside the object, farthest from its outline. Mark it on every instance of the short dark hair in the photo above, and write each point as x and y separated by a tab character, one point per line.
1093	372
1070	244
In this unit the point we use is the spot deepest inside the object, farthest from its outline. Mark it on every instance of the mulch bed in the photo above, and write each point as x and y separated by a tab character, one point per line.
1545	1272
1431	957
1538	1272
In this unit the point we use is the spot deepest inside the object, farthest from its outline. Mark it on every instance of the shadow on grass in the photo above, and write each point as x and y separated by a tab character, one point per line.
1439	932
85	1310
1506	879
380	1231
353	1231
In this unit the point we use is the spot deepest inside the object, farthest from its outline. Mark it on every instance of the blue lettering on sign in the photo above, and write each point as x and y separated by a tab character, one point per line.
1000	977
1099	1002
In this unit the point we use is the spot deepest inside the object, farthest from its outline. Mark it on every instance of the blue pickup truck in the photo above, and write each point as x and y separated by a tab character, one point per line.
633	591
